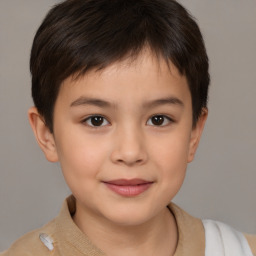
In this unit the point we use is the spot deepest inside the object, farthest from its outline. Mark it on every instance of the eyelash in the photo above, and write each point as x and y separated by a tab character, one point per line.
93	116
166	118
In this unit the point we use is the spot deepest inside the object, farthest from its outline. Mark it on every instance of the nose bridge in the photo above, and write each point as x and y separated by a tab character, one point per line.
129	145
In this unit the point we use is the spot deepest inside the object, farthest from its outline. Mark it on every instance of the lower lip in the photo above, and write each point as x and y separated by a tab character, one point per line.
129	191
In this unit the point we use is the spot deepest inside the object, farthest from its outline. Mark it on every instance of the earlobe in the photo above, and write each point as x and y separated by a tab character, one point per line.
196	134
44	136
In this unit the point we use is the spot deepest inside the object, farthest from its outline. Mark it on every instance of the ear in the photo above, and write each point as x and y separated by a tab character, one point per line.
196	134
44	136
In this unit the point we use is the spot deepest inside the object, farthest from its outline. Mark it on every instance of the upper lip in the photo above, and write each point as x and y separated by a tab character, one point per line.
128	182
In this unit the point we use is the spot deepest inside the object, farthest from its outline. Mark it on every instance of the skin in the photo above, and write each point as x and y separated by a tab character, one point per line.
126	145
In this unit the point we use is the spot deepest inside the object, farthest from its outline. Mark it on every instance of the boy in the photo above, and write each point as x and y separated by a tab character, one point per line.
120	91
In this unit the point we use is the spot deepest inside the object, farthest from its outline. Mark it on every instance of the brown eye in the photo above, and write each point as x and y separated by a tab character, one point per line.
96	121
159	120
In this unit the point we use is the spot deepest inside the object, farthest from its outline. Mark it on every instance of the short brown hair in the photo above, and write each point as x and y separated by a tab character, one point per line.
80	35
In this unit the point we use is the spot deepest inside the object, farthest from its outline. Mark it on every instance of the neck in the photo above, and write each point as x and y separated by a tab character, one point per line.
157	236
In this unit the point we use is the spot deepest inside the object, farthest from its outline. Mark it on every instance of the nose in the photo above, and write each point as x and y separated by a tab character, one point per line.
129	147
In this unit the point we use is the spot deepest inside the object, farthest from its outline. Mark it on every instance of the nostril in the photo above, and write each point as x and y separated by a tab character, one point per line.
129	148
130	161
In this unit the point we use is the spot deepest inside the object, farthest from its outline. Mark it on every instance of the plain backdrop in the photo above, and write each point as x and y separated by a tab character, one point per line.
220	183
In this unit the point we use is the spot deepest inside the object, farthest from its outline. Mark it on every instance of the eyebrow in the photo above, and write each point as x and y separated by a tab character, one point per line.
105	104
163	101
91	101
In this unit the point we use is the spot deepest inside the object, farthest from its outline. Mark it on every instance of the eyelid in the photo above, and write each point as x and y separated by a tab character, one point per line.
84	121
170	120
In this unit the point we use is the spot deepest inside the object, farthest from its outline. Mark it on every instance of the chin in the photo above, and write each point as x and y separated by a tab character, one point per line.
129	220
128	216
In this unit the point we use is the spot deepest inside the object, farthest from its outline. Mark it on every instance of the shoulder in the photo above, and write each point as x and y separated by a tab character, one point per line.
30	244
252	242
190	232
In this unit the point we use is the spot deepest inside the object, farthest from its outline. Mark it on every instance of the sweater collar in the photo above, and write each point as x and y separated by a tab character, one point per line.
191	240
191	232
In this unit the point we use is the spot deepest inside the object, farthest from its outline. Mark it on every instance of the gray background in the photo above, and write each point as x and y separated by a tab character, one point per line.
220	183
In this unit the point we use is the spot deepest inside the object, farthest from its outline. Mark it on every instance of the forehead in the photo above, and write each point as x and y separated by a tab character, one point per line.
145	76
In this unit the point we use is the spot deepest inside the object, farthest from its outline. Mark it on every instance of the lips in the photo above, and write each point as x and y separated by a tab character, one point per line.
128	188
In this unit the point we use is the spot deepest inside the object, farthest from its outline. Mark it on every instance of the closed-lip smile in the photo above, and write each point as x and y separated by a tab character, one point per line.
128	187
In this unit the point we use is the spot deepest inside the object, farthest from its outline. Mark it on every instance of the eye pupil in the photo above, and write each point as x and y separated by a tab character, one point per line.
97	120
157	120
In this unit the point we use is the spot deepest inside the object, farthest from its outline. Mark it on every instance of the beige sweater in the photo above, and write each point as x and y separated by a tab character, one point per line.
69	240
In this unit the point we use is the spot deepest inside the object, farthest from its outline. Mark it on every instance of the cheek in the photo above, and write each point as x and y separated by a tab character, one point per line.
80	159
171	149
170	157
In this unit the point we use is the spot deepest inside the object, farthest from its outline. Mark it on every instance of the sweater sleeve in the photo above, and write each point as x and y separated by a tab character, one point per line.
28	245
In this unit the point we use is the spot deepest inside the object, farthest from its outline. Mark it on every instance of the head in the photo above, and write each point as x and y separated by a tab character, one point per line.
80	35
120	90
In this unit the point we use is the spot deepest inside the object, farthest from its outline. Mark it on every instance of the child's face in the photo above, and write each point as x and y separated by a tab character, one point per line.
127	163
